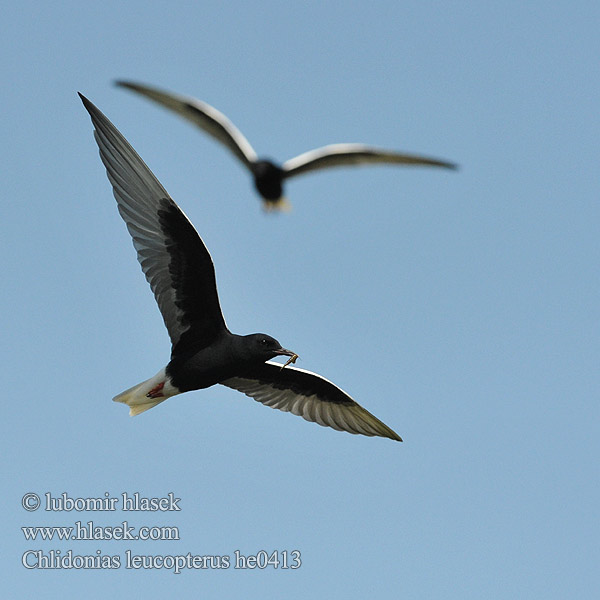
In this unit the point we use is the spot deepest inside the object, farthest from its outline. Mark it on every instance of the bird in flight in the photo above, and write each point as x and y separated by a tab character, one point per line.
204	352
268	176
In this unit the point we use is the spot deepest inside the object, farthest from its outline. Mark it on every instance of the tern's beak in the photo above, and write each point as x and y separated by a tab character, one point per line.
283	352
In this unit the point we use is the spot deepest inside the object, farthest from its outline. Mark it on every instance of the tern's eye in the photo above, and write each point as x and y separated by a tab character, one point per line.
264	341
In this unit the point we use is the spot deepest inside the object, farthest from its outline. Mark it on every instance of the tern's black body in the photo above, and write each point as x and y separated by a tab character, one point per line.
268	180
227	356
269	176
204	352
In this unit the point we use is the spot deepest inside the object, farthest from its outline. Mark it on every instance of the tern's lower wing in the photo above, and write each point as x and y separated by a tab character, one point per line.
310	396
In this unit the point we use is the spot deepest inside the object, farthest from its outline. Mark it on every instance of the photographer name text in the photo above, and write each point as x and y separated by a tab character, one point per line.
126	502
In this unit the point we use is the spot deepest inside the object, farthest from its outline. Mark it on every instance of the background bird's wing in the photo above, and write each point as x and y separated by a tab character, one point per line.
310	396
173	257
341	155
205	116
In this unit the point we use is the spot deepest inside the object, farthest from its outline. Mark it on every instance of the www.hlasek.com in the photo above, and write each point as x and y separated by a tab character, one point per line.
88	531
55	559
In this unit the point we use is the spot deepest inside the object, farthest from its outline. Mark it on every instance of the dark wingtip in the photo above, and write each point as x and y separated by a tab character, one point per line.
391	435
446	165
130	85
88	105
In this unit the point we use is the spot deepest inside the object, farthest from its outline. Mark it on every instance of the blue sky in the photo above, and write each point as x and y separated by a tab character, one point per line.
460	308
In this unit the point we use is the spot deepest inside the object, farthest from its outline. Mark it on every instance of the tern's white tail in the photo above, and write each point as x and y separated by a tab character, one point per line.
280	205
138	399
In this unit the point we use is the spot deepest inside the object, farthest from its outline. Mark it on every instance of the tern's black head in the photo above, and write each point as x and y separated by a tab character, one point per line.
262	347
268	178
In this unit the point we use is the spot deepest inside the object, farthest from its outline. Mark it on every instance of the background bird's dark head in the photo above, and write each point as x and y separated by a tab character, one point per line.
267	179
262	347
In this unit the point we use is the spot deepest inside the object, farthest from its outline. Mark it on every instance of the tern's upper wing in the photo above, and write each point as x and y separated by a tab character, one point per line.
173	257
205	116
342	155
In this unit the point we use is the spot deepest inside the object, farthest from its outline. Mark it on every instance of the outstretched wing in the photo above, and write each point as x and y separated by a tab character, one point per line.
310	396
174	259
205	116
343	155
